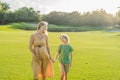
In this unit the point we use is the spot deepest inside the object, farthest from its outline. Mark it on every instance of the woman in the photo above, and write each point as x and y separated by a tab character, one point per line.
41	60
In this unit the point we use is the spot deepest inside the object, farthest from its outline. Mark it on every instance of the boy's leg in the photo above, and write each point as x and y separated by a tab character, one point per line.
65	76
66	67
61	71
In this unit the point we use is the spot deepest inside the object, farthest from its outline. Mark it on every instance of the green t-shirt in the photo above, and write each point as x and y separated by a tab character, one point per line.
64	53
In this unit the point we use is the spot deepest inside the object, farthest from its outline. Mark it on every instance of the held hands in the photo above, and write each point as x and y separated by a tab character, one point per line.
51	59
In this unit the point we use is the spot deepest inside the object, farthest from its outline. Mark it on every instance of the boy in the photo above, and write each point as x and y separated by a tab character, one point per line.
65	56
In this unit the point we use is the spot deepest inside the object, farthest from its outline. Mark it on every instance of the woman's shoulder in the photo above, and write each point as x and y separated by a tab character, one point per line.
33	34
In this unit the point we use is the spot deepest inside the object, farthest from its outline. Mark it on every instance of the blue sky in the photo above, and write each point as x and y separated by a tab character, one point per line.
46	6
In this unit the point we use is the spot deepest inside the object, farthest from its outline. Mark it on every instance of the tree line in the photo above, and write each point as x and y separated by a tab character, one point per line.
23	14
95	18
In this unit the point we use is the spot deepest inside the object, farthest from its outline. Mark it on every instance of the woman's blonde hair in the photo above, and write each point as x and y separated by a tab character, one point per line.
43	23
65	36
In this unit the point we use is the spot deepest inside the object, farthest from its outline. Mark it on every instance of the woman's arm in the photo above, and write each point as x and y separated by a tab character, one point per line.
31	44
48	49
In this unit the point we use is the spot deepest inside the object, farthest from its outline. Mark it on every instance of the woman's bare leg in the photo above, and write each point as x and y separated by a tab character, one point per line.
35	68
44	67
43	77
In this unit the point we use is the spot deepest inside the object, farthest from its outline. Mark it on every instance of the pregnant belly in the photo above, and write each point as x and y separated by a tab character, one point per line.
42	51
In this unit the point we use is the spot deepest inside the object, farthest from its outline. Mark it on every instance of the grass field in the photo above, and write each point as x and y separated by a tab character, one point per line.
96	55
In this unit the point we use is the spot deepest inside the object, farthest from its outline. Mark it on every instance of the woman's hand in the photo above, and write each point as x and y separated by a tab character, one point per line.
38	56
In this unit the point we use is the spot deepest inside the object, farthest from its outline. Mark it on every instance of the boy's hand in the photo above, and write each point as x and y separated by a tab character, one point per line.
70	64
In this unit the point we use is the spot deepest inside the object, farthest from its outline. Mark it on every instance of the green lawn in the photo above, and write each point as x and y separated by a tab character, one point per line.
96	55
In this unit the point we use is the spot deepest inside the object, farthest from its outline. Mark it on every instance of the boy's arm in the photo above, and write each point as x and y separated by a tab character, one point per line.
56	56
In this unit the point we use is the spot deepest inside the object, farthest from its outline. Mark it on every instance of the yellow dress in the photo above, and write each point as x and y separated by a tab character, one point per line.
44	66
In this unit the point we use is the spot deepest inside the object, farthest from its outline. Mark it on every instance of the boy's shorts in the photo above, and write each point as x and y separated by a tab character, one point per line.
64	67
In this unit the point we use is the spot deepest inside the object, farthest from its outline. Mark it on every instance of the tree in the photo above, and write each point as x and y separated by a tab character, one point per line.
94	18
26	15
23	14
4	12
0	6
118	17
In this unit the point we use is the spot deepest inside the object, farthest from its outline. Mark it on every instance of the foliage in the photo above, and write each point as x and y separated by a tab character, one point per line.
54	28
23	14
0	6
118	17
23	26
94	18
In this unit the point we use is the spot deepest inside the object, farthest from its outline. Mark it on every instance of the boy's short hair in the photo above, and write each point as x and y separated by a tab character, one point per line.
65	36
